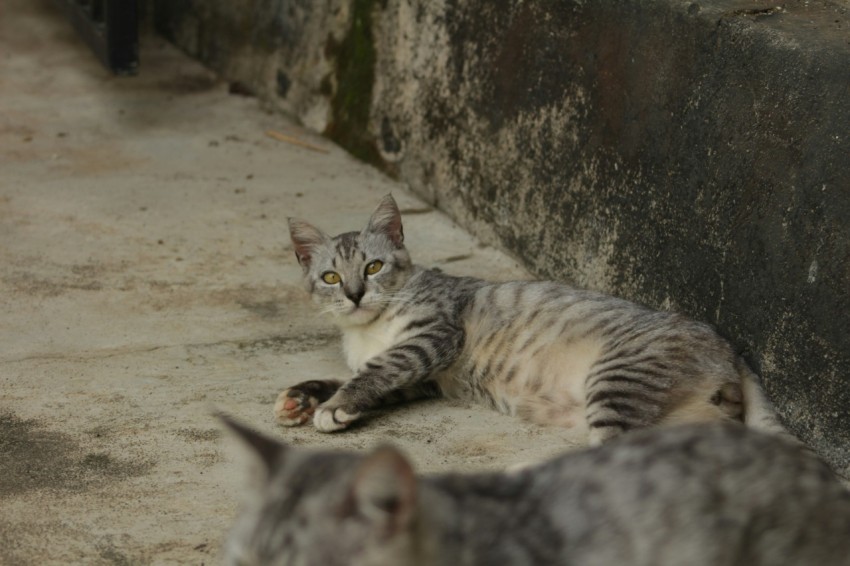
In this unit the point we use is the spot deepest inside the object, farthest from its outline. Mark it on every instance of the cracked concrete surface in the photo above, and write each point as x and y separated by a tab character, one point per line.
146	277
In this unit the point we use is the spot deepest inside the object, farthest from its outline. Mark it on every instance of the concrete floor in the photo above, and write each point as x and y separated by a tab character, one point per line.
146	276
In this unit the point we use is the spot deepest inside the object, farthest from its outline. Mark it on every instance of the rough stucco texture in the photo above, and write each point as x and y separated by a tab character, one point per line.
683	155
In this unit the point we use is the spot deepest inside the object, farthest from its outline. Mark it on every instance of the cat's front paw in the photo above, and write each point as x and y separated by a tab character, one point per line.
330	418
294	407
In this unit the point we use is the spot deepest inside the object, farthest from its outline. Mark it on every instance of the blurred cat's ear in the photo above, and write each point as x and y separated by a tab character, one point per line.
306	238
268	449
386	220
384	490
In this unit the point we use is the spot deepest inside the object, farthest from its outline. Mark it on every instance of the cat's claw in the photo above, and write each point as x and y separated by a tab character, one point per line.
294	407
330	419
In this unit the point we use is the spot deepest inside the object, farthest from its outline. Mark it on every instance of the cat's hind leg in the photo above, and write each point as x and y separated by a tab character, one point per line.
296	405
619	401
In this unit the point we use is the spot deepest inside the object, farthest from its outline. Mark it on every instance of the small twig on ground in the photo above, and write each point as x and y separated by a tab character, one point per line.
295	141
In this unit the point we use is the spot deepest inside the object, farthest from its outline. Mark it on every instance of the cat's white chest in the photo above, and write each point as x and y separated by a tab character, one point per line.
361	343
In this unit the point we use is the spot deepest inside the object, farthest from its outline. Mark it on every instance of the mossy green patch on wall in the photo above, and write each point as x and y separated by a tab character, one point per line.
355	76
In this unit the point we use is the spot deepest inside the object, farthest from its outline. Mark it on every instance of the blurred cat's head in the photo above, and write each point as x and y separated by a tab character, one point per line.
324	508
354	276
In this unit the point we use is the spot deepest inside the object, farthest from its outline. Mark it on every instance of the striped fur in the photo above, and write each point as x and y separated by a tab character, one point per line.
543	351
702	495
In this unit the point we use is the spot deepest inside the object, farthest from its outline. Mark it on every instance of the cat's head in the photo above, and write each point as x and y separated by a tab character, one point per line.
354	276
325	508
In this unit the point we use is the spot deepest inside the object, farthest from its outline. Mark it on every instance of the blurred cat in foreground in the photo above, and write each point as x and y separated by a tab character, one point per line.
710	494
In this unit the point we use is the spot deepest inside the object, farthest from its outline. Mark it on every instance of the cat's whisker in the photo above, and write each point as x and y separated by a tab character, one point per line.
398	298
389	301
334	309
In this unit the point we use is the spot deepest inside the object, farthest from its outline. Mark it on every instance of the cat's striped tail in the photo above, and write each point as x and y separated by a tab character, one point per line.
759	414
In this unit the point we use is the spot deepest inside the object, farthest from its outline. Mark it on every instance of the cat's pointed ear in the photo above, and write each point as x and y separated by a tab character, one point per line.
305	238
268	449
384	490
386	220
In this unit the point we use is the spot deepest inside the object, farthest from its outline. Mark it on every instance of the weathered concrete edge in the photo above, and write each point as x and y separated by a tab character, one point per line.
694	154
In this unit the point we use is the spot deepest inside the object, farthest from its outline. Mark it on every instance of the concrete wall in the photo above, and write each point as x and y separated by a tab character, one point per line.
687	155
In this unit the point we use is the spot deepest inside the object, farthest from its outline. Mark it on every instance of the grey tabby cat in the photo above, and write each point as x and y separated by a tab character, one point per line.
548	352
696	495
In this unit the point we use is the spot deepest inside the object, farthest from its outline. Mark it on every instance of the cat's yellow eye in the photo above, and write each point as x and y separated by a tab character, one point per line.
330	277
374	267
